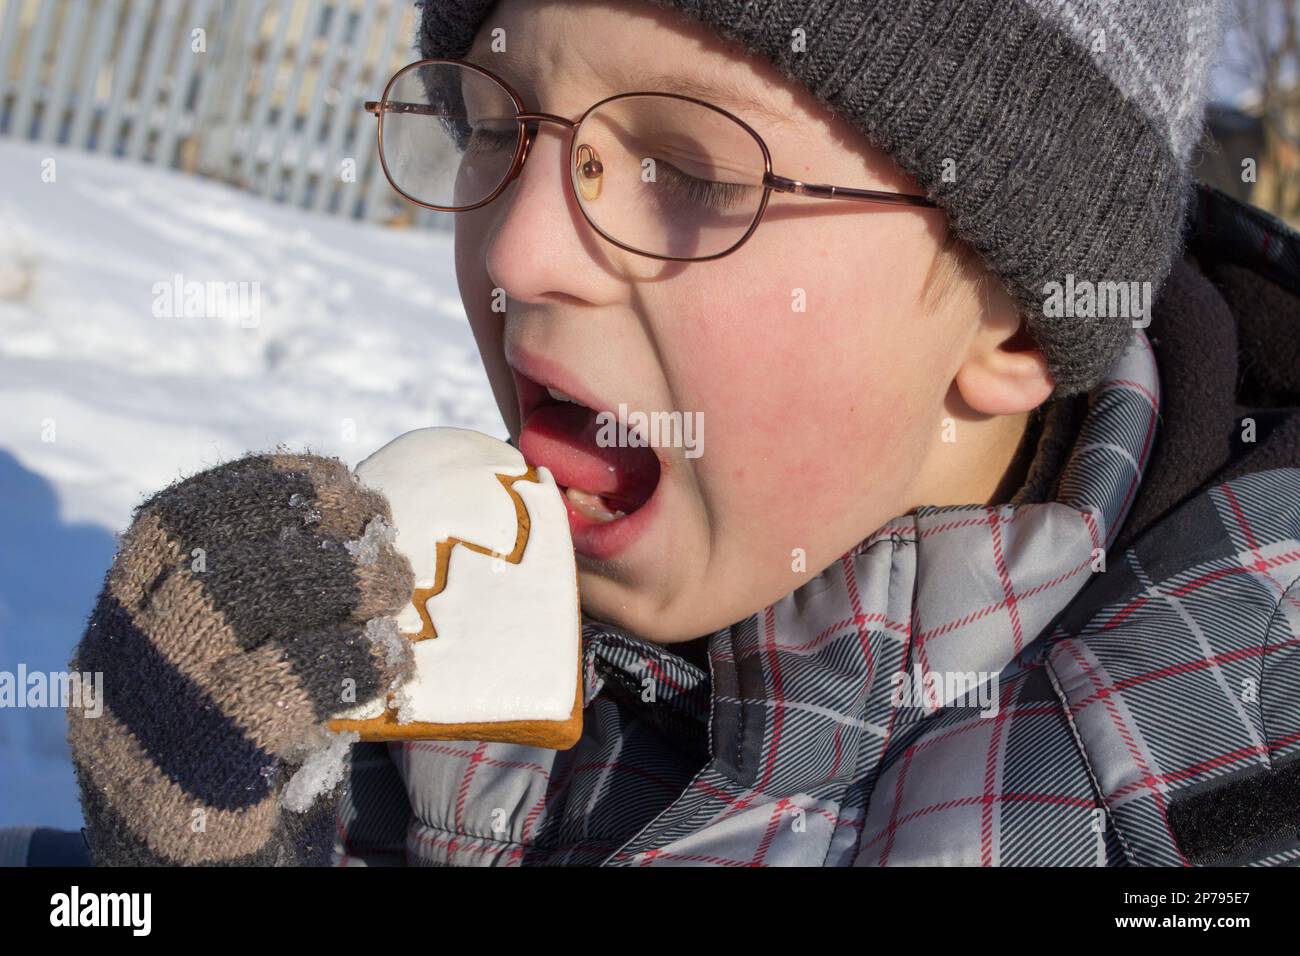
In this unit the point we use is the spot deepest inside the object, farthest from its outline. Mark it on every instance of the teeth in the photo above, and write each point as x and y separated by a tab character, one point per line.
591	506
559	396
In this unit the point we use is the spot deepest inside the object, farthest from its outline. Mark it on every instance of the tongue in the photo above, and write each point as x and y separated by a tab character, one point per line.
562	437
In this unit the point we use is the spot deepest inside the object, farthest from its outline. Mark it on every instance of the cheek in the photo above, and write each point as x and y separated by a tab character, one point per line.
806	412
471	277
488	327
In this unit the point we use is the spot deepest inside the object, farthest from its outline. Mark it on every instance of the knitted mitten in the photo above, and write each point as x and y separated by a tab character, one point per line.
247	605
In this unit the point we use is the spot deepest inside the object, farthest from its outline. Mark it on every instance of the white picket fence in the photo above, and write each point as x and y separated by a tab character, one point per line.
263	94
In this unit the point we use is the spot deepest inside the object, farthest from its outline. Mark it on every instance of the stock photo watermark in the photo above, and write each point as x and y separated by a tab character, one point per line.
181	298
930	690
624	429
76	908
1105	299
83	690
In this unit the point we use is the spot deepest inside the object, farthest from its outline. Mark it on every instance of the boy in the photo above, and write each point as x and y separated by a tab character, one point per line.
982	563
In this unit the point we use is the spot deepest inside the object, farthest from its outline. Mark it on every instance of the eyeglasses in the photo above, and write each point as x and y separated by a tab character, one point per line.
658	174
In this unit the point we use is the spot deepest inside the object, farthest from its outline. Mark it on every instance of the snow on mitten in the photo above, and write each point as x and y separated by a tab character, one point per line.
246	605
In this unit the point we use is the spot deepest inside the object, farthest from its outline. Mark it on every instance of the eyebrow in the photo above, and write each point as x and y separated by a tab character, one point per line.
718	91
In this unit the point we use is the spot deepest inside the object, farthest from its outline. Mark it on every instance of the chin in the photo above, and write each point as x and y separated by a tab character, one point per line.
614	603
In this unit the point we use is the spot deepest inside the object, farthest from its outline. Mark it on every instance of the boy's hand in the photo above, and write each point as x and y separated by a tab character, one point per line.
246	605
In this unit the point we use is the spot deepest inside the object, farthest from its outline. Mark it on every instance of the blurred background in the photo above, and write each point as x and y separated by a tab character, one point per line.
1252	143
150	147
264	95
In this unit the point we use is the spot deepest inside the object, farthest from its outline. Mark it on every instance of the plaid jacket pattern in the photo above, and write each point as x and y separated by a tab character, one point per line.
1023	684
1087	704
1053	730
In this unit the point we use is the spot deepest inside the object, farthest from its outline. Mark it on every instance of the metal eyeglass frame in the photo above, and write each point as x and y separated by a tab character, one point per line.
771	181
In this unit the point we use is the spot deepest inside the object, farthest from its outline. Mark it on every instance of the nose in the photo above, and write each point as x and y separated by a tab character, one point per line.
536	242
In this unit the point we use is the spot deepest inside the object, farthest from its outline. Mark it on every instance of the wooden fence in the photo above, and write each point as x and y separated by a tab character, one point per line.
263	94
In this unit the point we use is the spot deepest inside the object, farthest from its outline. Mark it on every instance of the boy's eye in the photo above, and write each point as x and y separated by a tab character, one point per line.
683	187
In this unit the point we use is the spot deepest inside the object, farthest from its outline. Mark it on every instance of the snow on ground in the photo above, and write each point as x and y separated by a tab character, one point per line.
360	336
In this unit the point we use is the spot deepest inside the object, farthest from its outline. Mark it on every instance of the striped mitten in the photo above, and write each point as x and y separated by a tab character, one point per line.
246	605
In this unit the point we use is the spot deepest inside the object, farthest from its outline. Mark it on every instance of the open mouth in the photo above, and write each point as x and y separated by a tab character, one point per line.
604	485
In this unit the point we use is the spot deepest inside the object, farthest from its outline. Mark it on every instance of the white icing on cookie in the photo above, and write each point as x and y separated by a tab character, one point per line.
508	635
507	644
440	483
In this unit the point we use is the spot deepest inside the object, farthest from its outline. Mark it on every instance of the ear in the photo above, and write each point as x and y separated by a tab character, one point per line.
1004	373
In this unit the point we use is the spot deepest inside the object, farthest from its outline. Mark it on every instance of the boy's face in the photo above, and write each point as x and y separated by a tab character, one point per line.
818	424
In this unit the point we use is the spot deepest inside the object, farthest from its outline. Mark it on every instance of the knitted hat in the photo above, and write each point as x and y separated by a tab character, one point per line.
1055	133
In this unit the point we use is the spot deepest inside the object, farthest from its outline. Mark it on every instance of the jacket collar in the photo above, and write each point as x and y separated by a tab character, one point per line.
938	593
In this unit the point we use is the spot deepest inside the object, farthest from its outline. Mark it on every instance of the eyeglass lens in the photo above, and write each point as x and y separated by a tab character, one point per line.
655	173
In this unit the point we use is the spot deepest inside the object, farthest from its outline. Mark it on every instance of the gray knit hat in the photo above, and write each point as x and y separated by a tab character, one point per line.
1055	133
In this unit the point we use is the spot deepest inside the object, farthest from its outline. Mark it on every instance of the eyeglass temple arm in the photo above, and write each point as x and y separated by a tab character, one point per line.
393	106
425	109
783	184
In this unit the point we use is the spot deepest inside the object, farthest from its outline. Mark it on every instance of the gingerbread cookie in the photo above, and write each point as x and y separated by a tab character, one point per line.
495	618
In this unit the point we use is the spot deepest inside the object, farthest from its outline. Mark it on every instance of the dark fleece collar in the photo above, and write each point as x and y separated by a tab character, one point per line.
1226	335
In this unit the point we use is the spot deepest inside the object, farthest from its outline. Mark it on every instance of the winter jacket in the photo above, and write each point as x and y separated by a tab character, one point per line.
1102	671
1144	714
